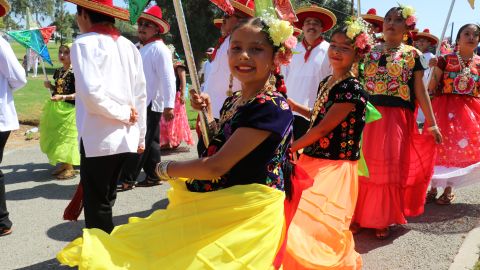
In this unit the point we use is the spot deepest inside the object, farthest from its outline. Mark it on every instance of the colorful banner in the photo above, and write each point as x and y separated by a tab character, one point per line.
135	8
36	39
224	5
472	3
285	10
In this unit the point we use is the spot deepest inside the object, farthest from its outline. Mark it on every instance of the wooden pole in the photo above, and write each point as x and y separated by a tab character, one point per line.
182	25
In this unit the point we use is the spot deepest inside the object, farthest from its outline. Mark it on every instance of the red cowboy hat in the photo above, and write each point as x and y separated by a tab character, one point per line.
103	6
373	18
218	23
4	7
426	35
296	32
154	15
327	18
246	7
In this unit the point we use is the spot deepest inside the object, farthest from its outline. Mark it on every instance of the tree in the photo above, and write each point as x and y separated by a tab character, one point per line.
63	22
41	9
199	15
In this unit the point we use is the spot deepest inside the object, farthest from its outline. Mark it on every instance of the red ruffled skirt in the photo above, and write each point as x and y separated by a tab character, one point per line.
400	161
458	118
174	132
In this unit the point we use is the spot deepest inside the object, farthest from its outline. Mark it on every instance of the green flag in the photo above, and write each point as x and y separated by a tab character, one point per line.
136	7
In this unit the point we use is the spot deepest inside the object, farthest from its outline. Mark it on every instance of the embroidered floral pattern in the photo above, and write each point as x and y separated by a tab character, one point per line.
452	83
391	78
256	109
343	142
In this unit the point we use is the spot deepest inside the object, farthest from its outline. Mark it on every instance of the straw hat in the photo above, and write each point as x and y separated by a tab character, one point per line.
154	15
4	8
327	18
373	18
426	35
102	6
218	23
246	7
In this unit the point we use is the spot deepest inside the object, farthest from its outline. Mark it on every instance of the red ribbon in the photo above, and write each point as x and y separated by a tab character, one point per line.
309	48
150	40
105	29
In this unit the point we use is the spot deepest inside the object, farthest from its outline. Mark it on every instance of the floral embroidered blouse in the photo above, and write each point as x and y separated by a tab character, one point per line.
267	111
64	83
343	142
451	82
388	76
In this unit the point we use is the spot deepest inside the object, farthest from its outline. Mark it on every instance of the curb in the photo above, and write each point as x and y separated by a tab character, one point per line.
468	254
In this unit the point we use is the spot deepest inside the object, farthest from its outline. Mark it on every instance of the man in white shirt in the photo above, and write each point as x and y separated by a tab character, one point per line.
110	105
12	77
160	77
219	78
310	64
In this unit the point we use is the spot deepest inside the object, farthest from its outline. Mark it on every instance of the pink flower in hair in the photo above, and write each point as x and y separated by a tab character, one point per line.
291	42
361	40
411	20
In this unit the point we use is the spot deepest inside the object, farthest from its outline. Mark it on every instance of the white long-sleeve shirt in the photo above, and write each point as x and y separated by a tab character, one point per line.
302	78
109	80
159	74
12	77
218	79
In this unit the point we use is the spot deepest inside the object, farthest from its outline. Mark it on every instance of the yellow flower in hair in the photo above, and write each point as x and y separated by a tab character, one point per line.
407	11
280	31
353	30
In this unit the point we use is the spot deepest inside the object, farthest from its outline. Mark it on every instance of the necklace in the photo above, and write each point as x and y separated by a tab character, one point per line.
227	115
464	82
391	53
322	96
61	80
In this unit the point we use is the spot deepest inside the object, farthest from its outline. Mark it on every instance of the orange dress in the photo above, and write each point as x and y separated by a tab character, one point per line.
319	235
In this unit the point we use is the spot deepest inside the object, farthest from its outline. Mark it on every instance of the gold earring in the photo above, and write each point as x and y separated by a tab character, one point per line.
405	37
272	80
230	85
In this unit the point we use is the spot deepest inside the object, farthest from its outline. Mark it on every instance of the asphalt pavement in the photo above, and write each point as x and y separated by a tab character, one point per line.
36	202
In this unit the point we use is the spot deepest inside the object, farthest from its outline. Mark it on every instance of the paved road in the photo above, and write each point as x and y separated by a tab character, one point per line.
36	202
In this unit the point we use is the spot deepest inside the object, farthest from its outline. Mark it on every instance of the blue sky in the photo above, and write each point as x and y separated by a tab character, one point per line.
430	13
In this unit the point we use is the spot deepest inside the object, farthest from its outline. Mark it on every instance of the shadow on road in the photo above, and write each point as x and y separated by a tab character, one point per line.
50	264
47	191
366	241
35	172
447	219
68	231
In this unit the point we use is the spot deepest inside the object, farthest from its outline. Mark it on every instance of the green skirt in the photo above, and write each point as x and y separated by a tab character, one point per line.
58	133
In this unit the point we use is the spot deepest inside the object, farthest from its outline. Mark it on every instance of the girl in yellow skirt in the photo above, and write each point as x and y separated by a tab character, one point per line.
319	236
230	214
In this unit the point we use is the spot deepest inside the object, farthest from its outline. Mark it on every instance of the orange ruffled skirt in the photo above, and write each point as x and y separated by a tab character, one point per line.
319	235
400	161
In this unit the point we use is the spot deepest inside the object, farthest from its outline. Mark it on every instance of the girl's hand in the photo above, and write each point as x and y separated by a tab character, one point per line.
182	99
437	135
47	84
57	98
433	62
199	101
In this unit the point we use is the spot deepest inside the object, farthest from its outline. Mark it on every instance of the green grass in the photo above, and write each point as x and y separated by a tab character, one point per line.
30	99
477	266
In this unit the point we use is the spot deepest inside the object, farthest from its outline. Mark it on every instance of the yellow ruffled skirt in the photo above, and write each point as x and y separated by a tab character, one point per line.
235	228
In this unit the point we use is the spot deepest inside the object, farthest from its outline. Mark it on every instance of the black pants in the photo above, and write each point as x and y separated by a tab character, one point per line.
300	126
149	159
99	176
4	220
